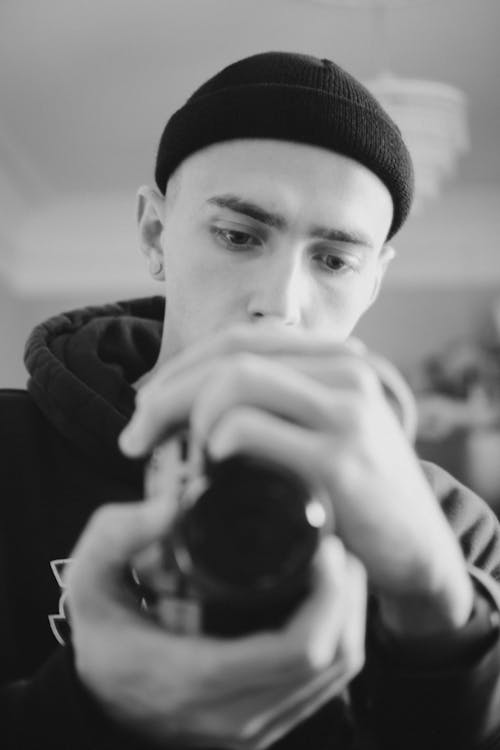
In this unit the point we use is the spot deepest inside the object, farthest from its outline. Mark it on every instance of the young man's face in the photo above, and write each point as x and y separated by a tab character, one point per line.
265	231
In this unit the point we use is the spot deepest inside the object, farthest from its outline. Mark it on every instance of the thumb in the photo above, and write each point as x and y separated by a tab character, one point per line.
116	532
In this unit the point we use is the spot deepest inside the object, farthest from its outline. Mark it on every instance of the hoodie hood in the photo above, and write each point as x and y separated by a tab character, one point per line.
82	365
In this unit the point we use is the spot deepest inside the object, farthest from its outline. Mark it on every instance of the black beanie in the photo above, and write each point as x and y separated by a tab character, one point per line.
292	97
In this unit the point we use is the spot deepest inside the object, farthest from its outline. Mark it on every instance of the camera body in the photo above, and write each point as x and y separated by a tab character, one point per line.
238	556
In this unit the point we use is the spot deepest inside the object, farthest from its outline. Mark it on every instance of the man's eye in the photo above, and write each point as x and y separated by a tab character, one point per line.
235	238
335	263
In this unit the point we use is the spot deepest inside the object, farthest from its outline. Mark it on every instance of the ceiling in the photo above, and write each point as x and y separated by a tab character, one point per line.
86	87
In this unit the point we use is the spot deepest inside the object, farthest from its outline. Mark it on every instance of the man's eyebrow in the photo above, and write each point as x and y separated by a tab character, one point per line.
254	211
278	221
351	237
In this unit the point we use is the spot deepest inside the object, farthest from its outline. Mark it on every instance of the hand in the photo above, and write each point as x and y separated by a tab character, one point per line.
245	692
319	408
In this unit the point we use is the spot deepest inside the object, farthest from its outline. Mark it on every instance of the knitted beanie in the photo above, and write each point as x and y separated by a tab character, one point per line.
298	98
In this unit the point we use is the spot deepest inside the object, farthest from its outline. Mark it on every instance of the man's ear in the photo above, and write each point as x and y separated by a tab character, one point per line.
387	253
150	224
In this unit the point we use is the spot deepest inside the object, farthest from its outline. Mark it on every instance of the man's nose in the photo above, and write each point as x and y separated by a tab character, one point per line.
280	290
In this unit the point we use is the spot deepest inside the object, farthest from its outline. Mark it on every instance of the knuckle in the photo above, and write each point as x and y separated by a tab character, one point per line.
355	345
347	416
105	521
355	413
244	365
103	517
234	373
325	451
317	656
238	425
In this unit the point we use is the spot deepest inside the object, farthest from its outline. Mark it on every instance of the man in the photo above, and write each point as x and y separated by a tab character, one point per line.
279	185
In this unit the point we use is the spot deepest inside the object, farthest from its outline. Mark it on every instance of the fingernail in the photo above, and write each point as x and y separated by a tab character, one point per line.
128	442
356	345
217	447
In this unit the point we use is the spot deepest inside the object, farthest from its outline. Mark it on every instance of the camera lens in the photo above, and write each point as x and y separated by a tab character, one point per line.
247	541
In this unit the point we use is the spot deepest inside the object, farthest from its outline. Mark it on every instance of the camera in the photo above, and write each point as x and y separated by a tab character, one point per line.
238	555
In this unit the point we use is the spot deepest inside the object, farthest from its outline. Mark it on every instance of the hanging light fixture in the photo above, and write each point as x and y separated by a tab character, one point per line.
432	115
432	119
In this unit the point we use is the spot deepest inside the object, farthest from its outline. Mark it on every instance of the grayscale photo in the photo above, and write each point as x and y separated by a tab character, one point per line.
250	375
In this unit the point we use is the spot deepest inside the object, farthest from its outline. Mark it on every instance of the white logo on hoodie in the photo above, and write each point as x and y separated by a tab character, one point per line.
59	624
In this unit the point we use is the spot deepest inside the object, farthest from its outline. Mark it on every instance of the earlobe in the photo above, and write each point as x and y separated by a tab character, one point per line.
150	224
156	266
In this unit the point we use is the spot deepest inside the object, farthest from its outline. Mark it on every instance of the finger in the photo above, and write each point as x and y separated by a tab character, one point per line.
150	571
264	713
317	624
310	642
268	342
303	702
256	433
161	411
306	645
115	533
274	387
298	389
356	345
297	704
362	370
264	341
351	650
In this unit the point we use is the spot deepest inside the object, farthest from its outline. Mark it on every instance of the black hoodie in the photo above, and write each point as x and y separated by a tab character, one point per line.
60	461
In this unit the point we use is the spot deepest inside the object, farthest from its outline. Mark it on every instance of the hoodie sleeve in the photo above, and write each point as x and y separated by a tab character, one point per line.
437	693
52	709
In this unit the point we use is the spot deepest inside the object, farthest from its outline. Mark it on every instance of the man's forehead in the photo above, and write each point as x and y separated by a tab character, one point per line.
269	165
285	178
256	154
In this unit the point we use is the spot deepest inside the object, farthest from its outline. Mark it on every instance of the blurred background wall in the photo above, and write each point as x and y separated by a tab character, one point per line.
86	87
